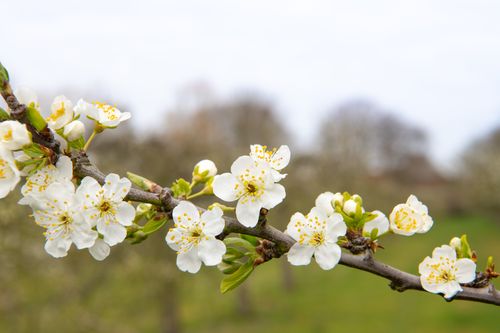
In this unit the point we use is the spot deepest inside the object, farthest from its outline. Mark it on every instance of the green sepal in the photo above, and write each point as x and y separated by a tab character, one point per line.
155	224
465	250
181	188
238	277
35	118
374	234
138	237
4	115
77	144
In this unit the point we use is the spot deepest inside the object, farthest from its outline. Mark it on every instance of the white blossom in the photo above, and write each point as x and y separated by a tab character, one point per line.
74	130
59	213
62	113
9	174
251	183
410	217
104	114
443	273
100	250
276	159
38	183
27	97
193	237
104	207
316	234
380	222
14	135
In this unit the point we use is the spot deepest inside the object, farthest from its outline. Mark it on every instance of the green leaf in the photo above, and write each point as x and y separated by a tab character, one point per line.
35	118
141	182
4	76
251	239
77	144
34	151
465	251
4	115
233	242
227	269
154	224
238	277
181	188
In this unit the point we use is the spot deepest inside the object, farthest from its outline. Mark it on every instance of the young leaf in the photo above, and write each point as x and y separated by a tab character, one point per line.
181	188
238	277
154	224
77	144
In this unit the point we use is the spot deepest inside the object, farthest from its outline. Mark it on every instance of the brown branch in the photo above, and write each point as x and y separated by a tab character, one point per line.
400	280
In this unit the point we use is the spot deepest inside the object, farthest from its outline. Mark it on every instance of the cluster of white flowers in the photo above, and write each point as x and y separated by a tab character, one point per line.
69	215
253	182
89	216
443	272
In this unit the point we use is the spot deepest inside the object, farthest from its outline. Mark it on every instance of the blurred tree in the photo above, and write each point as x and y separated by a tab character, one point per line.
479	174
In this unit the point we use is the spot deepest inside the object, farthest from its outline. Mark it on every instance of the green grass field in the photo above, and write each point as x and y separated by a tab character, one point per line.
132	292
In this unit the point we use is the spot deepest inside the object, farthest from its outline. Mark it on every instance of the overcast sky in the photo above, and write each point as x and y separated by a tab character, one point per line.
436	63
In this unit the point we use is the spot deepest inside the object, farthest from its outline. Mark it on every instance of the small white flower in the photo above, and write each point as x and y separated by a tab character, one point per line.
410	217
59	213
74	130
193	237
326	202
206	166
104	206
443	273
316	234
9	174
62	113
251	183
104	114
100	250
276	159
14	135
38	183
380	222
27	97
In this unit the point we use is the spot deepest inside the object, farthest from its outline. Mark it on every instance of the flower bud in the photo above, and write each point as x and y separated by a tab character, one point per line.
203	170
456	243
350	207
338	198
74	130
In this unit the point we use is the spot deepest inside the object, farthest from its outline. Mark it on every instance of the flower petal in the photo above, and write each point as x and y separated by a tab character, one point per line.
58	247
213	222
273	195
247	211
113	233
300	255
116	188
125	213
296	225
335	227
324	202
327	255
281	158
189	261
225	187
466	270
242	164
100	250
211	251
185	213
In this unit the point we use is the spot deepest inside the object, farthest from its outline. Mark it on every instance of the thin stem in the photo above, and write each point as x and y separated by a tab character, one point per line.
196	195
89	141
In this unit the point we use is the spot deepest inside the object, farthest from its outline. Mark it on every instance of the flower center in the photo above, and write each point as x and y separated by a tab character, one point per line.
105	207
405	220
251	188
58	113
446	276
109	111
8	136
317	238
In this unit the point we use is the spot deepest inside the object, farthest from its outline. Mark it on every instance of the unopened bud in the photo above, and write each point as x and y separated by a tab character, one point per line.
204	170
338	198
456	244
74	130
350	207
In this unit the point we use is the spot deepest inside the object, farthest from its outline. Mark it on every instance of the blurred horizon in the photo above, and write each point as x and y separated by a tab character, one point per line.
433	64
